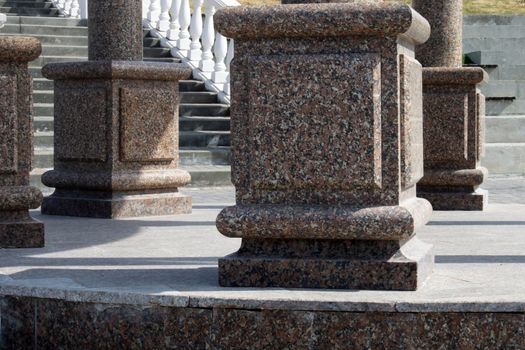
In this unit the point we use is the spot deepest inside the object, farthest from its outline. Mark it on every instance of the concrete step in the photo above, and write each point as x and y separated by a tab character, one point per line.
64	51
47	21
29	11
505	129
60	40
43	96
507	72
43	156
494	44
487	57
505	158
504	88
204	138
505	107
43	60
198	97
43	109
28	4
201	176
43	138
493	31
207	109
42	84
37	29
499	20
197	123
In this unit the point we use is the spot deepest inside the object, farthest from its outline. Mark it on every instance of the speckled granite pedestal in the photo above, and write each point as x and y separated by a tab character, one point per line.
116	125
17	228
324	173
454	113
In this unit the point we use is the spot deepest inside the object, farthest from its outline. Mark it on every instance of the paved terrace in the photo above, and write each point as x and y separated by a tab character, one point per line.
480	262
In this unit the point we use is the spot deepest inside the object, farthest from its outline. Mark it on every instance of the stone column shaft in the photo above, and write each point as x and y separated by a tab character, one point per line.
444	48
115	30
17	228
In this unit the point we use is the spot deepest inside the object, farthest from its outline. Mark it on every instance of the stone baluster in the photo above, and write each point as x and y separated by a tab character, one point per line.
154	13
116	125
173	33
220	50
195	53
453	136
183	44
17	228
164	19
75	9
67	7
326	181
60	5
207	64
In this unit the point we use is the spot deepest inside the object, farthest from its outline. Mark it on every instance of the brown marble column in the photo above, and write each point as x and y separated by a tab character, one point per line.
116	125
17	228
326	147
454	112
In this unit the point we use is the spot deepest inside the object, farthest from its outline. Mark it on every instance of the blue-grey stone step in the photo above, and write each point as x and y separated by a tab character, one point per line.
48	21
197	109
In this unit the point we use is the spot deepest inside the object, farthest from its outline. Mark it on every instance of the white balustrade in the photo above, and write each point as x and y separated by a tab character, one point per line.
195	53
207	63
191	39
154	13
145	10
183	44
173	33
75	9
164	19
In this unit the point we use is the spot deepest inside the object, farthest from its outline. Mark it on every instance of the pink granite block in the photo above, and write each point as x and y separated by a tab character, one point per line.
326	147
17	228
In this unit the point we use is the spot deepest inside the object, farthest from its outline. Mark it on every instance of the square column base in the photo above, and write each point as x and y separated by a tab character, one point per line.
22	234
405	270
467	201
118	205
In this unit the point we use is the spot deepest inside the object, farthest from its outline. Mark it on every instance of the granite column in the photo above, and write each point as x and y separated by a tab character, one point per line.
17	228
116	125
326	147
454	112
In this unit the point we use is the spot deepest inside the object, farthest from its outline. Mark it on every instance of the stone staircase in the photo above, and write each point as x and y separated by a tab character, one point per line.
203	122
497	43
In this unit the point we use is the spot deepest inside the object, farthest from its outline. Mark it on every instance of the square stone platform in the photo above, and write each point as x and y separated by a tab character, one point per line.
152	283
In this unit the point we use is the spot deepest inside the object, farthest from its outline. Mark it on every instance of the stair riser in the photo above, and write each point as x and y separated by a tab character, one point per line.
516	107
185	140
21	5
42	98
504	129
26	11
505	159
67	51
186	158
46	124
198	110
493	32
47	21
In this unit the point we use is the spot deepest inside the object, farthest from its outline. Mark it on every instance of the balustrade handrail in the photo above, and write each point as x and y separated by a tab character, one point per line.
190	35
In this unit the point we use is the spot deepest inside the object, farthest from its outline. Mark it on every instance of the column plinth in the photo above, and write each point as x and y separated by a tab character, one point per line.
326	147
17	228
116	125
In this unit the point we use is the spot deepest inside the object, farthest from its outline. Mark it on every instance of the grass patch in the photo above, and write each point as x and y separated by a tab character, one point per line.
500	7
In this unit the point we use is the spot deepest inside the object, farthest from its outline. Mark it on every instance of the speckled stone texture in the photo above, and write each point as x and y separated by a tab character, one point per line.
453	139
454	113
17	228
326	146
444	48
115	30
116	125
57	324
